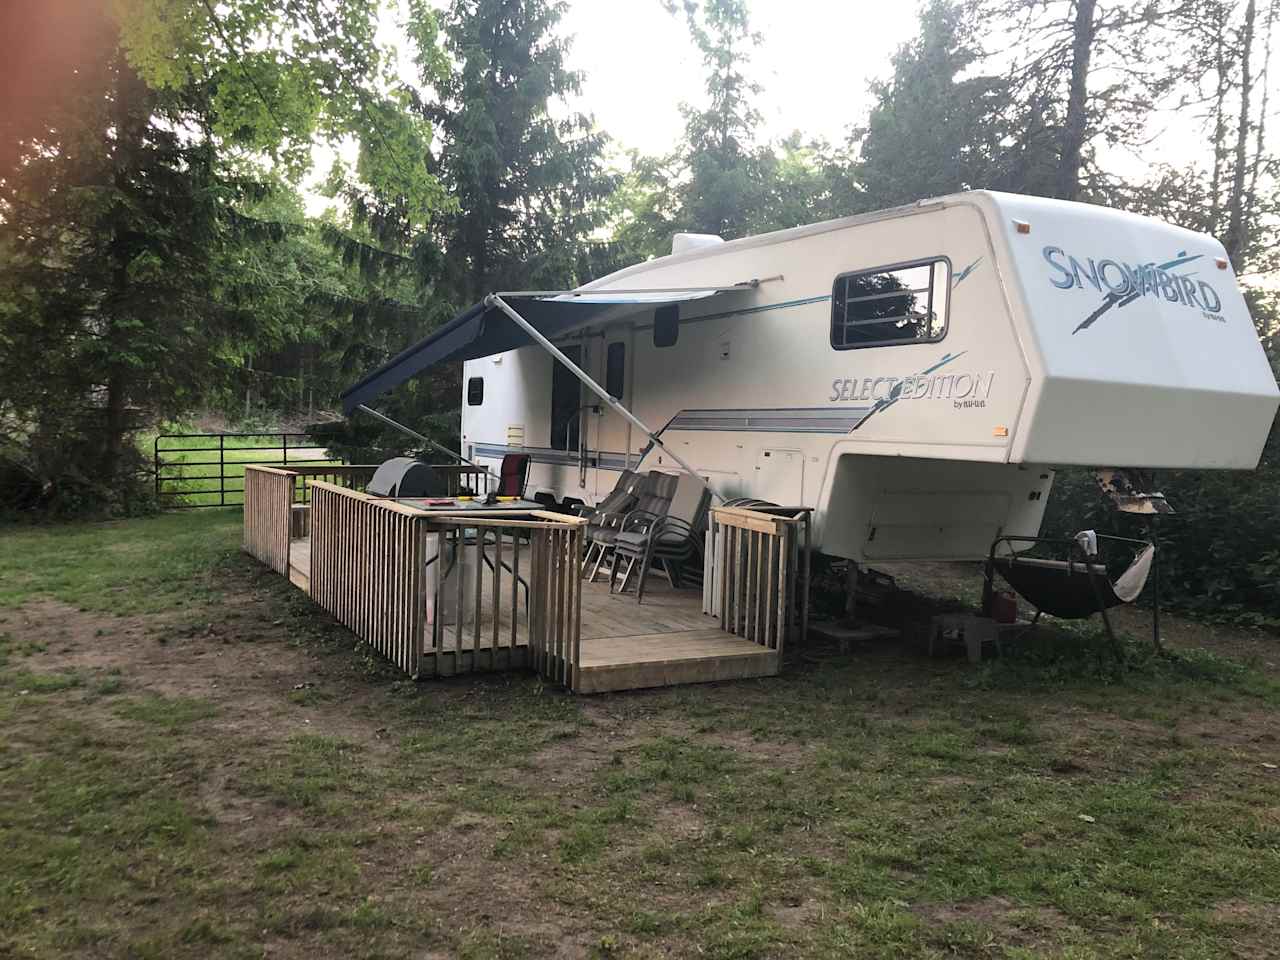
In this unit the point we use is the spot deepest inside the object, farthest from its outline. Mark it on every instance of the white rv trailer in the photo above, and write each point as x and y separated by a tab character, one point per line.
914	375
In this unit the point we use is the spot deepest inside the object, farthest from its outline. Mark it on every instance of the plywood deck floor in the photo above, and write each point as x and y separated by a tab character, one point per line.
625	645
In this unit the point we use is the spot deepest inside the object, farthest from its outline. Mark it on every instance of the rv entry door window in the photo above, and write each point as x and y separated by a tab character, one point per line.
902	303
615	369
566	402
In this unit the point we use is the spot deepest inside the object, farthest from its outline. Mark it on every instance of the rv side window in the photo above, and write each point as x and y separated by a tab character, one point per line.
901	304
475	391
615	369
666	326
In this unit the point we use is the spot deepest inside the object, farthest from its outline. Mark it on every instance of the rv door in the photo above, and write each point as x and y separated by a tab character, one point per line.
567	409
611	433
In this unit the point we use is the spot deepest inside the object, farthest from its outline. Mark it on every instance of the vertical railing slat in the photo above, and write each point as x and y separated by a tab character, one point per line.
515	590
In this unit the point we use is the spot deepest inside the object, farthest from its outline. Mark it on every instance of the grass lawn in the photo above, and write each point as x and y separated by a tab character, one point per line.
195	762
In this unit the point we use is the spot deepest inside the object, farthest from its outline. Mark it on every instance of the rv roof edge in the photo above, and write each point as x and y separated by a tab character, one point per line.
494	300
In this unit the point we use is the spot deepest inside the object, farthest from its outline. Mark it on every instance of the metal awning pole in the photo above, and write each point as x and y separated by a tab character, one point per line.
410	432
496	301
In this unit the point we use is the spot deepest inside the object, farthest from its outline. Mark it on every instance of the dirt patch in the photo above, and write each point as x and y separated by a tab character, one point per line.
786	755
1010	923
1251	729
242	661
1254	927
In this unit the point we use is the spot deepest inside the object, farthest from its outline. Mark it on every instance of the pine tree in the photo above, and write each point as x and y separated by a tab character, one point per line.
934	130
112	307
524	183
126	296
724	172
527	185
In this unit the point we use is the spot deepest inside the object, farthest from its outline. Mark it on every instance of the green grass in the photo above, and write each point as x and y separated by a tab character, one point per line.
147	565
878	805
168	713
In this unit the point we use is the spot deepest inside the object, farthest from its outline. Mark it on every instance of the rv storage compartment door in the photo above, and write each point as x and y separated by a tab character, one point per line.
905	508
940	524
779	477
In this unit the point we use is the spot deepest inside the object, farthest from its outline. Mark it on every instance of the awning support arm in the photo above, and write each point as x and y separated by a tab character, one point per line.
493	300
410	432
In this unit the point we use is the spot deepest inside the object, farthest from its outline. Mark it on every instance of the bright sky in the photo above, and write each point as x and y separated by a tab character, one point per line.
815	62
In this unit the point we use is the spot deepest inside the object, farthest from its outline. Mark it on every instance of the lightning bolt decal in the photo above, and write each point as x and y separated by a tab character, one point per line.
894	395
965	272
1121	300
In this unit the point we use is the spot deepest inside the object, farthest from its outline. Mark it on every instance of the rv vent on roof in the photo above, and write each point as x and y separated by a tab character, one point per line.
684	242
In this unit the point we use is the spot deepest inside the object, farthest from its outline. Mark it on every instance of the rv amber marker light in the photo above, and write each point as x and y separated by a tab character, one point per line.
1022	226
1222	263
1000	432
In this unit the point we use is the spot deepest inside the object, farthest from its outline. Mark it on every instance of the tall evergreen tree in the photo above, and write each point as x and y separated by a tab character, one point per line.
934	129
523	177
725	171
112	309
1085	77
723	177
123	212
527	185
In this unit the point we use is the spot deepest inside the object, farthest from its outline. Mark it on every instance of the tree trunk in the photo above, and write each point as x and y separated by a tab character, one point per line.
1260	128
1236	228
1222	72
130	123
1075	128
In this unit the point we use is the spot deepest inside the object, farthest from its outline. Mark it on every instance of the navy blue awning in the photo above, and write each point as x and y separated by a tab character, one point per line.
482	330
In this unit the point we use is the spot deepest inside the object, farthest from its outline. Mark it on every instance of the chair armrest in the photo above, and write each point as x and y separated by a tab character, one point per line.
609	519
640	521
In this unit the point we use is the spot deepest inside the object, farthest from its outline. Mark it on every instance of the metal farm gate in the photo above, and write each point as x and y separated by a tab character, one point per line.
207	469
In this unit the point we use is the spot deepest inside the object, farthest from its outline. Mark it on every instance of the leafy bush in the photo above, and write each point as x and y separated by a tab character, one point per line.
50	475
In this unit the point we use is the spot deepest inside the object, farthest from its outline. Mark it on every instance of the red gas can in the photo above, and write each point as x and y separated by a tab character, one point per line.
1004	607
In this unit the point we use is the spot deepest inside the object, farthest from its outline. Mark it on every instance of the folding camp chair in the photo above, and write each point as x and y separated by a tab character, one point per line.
652	495
1075	588
607	514
513	475
670	537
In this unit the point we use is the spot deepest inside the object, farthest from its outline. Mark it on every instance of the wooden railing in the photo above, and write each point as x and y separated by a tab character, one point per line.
268	506
351	475
461	477
367	569
505	592
758	560
443	594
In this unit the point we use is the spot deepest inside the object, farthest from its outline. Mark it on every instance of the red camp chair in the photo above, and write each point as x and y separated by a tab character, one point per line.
513	475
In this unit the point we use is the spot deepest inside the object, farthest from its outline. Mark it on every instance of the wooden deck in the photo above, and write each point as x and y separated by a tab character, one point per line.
666	640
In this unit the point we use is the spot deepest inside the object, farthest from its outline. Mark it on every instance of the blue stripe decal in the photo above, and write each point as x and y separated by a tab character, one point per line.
744	311
771	420
810	420
761	309
603	459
